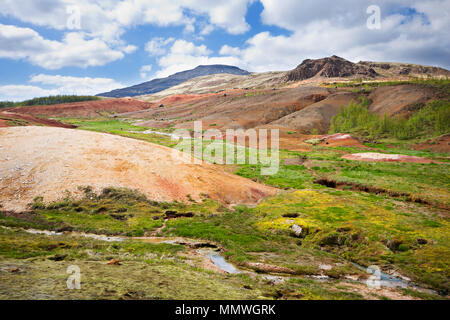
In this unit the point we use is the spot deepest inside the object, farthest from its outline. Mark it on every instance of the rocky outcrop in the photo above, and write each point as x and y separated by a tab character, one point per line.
331	67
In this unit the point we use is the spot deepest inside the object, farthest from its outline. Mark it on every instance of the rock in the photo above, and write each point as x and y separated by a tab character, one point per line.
114	262
267	268
297	230
290	215
421	241
330	240
344	229
175	215
405	71
156	218
120	217
331	67
58	257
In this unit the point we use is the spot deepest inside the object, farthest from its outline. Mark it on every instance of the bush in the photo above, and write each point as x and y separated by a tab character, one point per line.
48	101
431	120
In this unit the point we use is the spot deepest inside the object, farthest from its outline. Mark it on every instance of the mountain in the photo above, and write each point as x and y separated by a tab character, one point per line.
158	85
330	67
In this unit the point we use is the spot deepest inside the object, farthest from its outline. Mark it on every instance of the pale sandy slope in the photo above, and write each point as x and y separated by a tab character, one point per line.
44	161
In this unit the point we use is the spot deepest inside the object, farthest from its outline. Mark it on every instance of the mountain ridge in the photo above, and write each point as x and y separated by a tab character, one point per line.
160	84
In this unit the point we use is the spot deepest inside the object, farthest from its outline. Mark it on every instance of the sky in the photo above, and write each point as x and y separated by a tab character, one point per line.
50	47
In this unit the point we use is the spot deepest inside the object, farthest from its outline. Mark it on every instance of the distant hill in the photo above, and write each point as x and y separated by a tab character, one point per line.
337	67
330	67
158	85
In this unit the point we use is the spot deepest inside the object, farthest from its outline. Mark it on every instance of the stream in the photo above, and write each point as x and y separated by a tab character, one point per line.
211	252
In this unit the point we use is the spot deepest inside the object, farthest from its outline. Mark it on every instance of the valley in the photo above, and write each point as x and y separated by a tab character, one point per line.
363	180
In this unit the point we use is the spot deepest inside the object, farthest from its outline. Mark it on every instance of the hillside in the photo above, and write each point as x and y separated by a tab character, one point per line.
74	158
158	85
221	82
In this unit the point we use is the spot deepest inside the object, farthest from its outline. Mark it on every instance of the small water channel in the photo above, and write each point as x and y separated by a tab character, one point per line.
206	249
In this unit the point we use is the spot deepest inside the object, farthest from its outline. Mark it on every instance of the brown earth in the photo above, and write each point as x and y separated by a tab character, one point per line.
4	123
340	140
317	115
399	100
85	109
44	161
9	119
248	109
440	144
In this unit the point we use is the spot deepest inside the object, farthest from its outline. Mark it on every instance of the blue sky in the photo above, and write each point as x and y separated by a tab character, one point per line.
43	49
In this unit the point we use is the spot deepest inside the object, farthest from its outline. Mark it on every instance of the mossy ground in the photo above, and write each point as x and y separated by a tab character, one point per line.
339	226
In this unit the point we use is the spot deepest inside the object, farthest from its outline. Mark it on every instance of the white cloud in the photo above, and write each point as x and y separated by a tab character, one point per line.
23	92
158	46
323	28
45	85
108	19
76	85
145	71
227	50
73	50
184	55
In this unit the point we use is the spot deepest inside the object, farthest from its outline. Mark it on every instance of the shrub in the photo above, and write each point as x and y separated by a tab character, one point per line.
431	120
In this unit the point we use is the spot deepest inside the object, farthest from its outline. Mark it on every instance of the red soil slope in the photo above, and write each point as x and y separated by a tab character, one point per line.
7	119
85	109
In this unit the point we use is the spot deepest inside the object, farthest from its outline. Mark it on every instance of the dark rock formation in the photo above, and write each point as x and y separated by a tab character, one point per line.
332	67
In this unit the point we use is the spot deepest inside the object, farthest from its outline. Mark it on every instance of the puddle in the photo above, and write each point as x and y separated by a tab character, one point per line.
389	281
221	263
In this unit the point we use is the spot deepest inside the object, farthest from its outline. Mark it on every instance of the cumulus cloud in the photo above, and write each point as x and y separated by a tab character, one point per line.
411	31
45	85
74	50
108	19
23	92
145	71
158	46
184	55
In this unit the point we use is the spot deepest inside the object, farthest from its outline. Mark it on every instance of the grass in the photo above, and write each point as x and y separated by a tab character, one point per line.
338	226
442	85
113	212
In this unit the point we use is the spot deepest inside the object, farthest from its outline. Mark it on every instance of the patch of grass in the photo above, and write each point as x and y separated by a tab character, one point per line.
366	229
104	125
